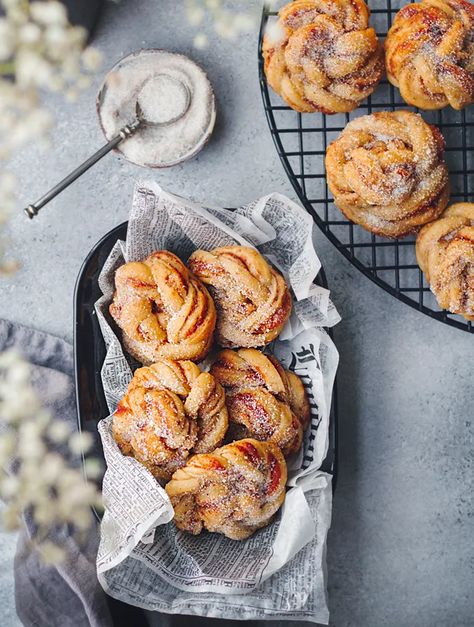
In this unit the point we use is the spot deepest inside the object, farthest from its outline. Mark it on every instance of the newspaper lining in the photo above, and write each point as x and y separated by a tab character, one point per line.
144	561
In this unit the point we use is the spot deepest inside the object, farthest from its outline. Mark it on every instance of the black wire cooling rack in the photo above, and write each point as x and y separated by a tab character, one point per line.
301	141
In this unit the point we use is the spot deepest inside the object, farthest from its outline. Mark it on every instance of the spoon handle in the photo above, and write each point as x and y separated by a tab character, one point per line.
126	131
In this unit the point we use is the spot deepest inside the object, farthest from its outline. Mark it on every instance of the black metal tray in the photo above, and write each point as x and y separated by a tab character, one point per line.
301	141
89	349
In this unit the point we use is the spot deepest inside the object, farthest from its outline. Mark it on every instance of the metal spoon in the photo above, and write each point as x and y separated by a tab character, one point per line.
127	131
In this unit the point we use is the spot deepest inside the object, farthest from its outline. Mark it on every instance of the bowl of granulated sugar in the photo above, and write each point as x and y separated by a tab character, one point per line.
174	96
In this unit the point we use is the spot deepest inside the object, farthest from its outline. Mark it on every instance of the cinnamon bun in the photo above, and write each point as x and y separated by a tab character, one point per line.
445	253
387	172
430	53
323	56
235	490
170	410
265	401
162	310
252	298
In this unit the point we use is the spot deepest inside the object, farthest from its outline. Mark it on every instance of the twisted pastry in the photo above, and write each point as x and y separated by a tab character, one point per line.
326	58
235	490
430	53
445	253
387	172
162	310
252	298
170	409
265	401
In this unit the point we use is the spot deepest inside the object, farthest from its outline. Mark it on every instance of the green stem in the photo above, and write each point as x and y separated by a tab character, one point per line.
7	68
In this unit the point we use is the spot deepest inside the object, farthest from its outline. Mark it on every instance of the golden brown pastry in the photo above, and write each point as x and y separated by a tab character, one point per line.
430	53
265	401
252	298
387	172
235	490
445	253
322	55
162	310
170	410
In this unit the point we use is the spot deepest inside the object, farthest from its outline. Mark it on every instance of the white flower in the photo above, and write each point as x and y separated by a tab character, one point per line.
9	486
275	32
225	28
7	40
51	467
93	468
72	94
29	33
39	50
30	430
195	14
7	447
34	125
82	519
228	24
76	494
32	69
80	442
11	518
16	12
58	431
45	514
8	181
51	553
48	13
43	481
57	38
244	21
7	197
200	41
83	82
91	59
33	448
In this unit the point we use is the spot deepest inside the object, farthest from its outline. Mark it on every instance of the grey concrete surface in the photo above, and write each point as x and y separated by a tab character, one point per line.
400	550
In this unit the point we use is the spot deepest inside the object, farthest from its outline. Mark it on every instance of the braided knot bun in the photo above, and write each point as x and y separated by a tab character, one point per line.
430	53
252	298
265	401
235	490
170	410
326	58
162	310
387	172
445	253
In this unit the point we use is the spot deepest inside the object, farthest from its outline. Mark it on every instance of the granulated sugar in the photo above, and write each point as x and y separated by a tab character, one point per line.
162	81
163	99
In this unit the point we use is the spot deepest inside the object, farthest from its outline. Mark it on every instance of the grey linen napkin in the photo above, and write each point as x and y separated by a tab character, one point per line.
69	594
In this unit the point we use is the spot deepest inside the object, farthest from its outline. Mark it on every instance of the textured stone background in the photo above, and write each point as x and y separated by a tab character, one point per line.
401	546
